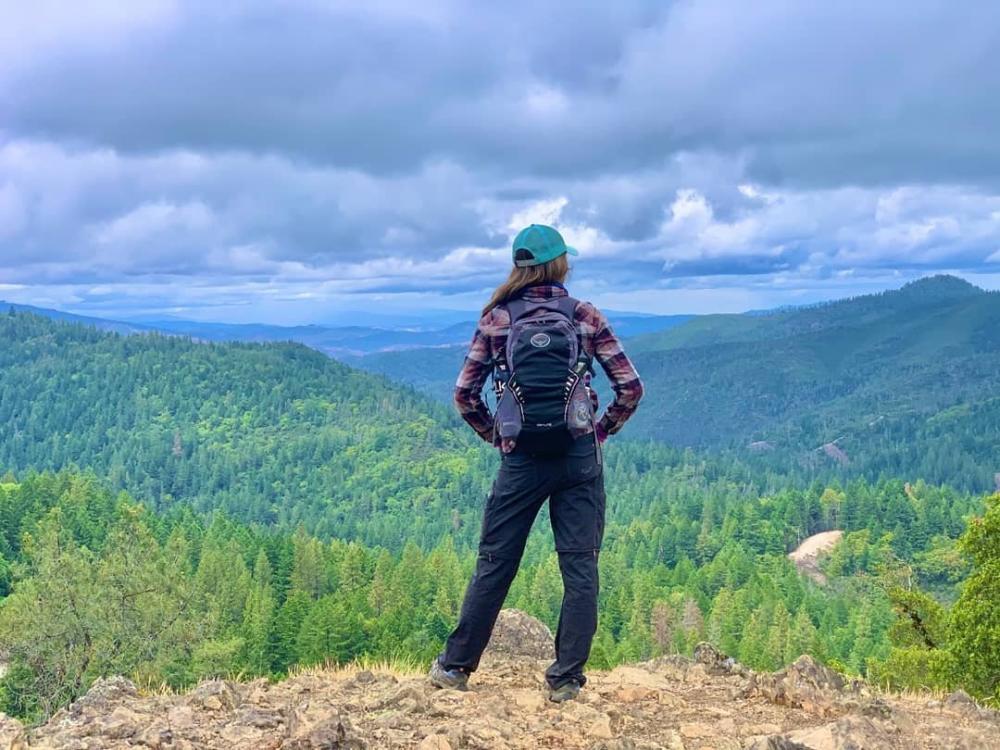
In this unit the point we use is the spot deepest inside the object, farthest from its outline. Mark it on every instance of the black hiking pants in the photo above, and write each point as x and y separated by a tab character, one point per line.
574	485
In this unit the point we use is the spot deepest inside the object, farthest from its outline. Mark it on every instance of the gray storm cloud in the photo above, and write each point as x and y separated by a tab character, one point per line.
394	146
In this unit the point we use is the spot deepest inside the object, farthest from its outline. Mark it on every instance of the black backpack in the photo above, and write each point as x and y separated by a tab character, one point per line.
539	377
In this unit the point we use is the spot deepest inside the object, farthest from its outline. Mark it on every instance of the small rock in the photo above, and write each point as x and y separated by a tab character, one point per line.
329	734
601	728
406	700
635	694
530	700
103	695
697	731
716	662
434	742
259	718
121	724
726	726
156	736
961	702
847	733
365	677
216	695
752	729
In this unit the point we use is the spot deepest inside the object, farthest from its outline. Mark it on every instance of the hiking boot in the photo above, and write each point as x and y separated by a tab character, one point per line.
452	679
566	692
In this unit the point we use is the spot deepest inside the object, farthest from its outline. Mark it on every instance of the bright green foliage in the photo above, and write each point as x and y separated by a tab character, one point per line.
259	632
182	598
277	434
936	647
331	632
303	513
288	625
76	614
975	617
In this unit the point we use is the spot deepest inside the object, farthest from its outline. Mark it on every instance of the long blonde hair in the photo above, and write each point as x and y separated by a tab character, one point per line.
555	271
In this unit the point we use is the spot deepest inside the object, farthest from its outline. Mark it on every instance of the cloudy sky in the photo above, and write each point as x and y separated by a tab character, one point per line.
294	160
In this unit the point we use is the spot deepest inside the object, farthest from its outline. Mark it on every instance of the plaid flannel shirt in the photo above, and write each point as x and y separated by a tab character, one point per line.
597	339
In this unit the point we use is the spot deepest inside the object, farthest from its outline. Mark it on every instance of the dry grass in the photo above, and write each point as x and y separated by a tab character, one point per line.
914	694
399	668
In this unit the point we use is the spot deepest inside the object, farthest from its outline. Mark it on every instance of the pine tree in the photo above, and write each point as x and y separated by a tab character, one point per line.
258	631
331	632
802	638
288	625
309	566
316	638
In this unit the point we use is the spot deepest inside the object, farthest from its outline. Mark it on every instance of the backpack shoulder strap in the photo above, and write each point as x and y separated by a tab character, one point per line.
567	306
516	308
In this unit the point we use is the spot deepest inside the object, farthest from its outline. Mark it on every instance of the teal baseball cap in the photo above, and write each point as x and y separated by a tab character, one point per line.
543	242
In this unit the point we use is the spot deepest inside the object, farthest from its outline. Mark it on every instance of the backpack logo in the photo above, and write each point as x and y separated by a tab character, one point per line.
540	340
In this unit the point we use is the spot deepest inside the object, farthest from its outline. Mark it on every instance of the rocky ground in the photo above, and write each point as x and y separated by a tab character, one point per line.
671	702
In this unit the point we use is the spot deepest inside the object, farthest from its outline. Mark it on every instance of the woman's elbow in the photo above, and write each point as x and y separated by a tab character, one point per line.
639	391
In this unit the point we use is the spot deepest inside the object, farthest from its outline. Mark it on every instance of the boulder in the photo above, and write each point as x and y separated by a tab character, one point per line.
518	634
716	662
333	733
314	725
103	696
330	732
847	733
216	695
809	685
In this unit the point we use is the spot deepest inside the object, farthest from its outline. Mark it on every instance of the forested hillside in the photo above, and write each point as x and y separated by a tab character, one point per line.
275	433
297	510
175	597
902	383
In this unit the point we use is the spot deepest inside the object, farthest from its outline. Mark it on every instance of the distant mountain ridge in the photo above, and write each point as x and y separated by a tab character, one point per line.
343	342
103	324
720	328
902	378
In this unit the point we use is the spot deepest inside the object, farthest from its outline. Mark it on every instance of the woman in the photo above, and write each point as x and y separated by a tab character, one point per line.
538	342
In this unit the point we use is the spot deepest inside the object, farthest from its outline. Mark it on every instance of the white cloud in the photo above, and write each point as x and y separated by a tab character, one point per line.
150	221
313	148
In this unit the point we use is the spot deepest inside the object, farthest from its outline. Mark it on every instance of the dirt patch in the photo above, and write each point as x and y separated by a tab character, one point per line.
806	555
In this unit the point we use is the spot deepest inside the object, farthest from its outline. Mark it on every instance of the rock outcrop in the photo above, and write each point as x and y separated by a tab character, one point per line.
517	633
669	703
